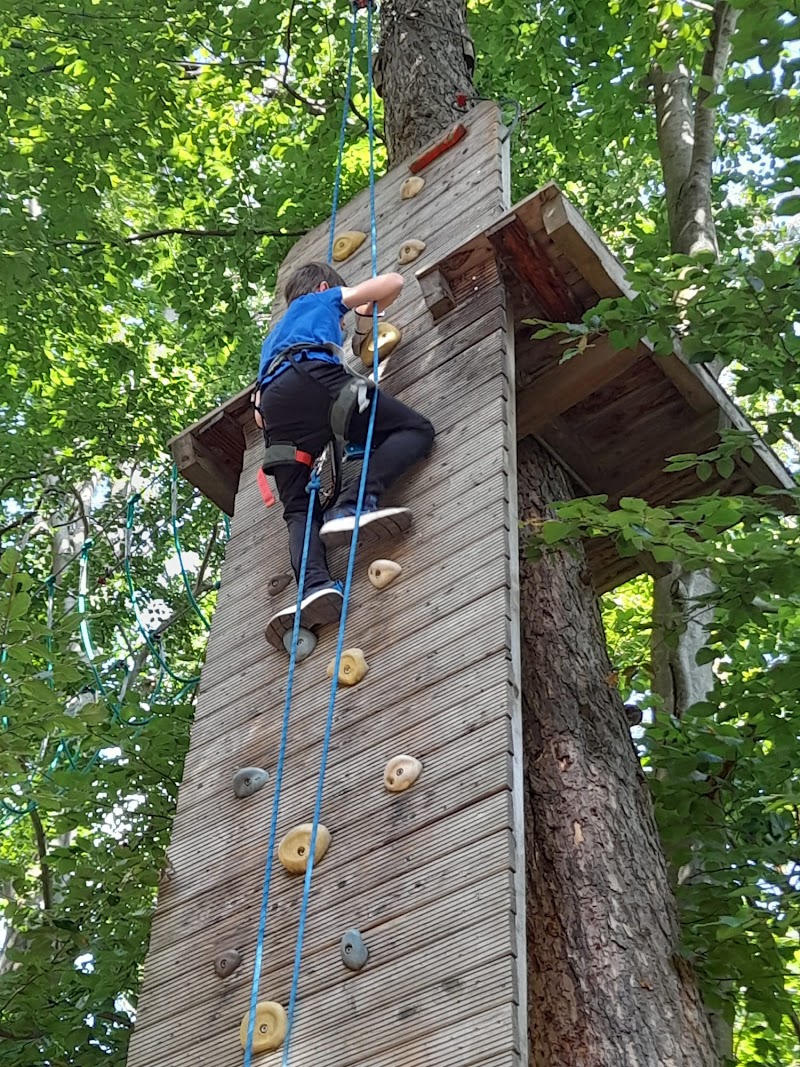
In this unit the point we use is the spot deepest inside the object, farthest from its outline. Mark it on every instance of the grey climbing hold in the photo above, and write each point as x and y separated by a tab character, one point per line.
354	952
306	643
227	962
278	583
249	780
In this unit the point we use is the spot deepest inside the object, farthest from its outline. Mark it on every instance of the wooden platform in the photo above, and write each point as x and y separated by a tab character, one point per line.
612	418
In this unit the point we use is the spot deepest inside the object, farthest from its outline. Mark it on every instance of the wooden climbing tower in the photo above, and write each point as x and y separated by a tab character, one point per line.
434	877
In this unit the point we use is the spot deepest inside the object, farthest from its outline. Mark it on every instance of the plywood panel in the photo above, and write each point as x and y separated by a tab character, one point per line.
432	876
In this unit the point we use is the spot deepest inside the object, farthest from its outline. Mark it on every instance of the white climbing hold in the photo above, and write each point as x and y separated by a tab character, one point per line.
401	772
382	572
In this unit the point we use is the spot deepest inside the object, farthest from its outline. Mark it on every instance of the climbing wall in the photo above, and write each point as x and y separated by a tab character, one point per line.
432	877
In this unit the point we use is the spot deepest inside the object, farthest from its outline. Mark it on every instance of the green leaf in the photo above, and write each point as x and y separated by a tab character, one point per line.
706	655
725	467
790	205
553	530
18	606
9	561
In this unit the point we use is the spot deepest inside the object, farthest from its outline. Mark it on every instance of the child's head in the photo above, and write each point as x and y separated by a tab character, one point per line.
311	278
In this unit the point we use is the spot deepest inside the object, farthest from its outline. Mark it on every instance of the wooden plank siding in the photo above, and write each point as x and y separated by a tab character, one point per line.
433	877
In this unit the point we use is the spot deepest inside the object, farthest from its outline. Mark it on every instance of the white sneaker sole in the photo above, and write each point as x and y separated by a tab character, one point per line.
375	526
319	609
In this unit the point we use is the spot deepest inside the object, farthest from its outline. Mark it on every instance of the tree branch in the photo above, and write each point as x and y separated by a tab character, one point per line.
715	62
198	585
41	848
91	244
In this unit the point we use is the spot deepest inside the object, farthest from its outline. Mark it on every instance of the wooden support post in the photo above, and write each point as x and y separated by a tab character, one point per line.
436	292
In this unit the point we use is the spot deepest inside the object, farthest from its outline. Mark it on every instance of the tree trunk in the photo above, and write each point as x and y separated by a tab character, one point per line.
606	985
424	61
686	138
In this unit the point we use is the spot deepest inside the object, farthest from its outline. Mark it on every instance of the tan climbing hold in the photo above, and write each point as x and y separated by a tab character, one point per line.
352	667
295	848
382	572
347	243
401	772
270	1026
388	339
411	187
410	250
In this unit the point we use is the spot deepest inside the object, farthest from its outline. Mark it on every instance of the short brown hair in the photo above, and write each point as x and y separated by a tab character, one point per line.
308	278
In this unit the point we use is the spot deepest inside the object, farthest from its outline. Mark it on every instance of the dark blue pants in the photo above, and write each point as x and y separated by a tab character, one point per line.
296	408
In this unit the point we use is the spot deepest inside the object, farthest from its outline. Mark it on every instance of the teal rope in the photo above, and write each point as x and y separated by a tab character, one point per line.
187	584
133	598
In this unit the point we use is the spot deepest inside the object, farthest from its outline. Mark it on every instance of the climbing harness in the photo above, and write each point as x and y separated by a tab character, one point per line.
352	395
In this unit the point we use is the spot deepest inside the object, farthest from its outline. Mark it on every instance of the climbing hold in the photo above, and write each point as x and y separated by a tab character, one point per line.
354	952
347	243
451	138
388	339
401	772
410	250
227	962
278	583
382	572
352	667
294	848
270	1027
306	643
249	780
411	187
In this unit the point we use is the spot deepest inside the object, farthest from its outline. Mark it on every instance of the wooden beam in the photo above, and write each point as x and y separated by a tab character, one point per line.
567	384
436	293
197	465
584	249
604	272
518	253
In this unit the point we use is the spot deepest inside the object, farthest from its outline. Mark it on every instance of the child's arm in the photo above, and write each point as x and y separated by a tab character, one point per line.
382	290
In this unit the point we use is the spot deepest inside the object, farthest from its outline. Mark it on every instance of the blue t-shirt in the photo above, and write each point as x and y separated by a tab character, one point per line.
311	319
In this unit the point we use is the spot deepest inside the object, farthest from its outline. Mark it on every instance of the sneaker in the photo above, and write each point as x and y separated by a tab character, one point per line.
374	522
321	605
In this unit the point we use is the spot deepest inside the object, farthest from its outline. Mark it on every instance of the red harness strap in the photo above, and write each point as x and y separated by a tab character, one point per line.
266	492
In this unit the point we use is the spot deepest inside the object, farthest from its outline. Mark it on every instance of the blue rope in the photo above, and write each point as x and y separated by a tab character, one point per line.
349	576
313	489
343	130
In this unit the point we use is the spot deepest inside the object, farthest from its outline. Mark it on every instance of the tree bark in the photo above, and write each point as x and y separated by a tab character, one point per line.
607	987
606	984
685	127
424	61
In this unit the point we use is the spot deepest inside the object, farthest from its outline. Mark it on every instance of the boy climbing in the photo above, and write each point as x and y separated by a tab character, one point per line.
305	397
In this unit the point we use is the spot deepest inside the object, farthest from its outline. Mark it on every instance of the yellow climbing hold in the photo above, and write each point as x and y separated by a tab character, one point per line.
388	339
295	848
347	243
352	667
410	250
411	187
401	772
270	1026
382	572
